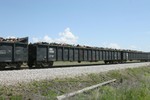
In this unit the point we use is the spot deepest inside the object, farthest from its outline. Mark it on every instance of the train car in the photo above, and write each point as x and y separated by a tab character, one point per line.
13	52
111	56
41	55
44	54
130	55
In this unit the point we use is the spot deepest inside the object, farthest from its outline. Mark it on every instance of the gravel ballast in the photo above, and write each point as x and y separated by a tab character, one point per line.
18	76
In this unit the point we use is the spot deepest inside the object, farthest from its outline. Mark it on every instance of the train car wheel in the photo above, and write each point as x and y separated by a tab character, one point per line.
106	62
2	66
50	64
38	65
18	66
79	61
30	65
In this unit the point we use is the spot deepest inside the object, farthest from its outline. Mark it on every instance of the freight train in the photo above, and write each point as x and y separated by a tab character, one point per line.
15	52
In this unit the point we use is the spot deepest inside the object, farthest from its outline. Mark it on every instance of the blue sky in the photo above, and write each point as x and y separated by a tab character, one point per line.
103	23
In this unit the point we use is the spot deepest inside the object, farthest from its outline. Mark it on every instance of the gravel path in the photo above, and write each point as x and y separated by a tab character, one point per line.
19	76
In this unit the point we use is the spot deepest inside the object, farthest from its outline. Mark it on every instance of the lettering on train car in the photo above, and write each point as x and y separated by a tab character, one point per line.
51	52
3	52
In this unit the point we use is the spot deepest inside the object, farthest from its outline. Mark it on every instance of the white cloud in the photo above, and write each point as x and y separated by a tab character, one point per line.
111	45
47	39
35	39
11	37
64	37
114	45
133	47
67	37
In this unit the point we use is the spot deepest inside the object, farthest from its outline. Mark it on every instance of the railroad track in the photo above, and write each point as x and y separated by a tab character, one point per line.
60	66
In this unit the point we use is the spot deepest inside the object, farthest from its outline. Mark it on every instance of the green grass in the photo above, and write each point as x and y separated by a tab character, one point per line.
131	84
61	63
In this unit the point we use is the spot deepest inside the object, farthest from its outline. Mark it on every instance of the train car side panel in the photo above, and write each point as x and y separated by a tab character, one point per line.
21	52
52	54
104	55
41	53
97	55
100	55
71	54
93	55
81	54
76	54
89	55
6	52
59	53
85	54
66	54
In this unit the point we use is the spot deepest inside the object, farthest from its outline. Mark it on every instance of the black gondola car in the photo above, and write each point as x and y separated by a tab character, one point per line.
13	52
136	55
44	54
41	55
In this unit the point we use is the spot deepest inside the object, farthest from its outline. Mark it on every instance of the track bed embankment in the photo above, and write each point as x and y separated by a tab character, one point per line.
19	76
